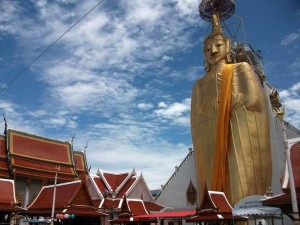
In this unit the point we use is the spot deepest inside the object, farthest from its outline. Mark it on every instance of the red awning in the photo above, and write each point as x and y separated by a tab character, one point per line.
217	216
178	214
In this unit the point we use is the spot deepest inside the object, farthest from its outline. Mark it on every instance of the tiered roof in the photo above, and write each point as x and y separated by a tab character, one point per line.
216	201
214	207
35	156
113	187
71	197
130	209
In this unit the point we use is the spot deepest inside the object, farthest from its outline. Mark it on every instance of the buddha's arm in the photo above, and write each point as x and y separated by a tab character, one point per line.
247	89
195	103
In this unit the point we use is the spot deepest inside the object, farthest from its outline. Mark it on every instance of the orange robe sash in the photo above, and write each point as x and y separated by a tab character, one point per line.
223	123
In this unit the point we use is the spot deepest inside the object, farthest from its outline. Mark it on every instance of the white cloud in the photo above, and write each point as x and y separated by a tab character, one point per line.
144	106
167	58
176	112
174	109
291	100
162	105
91	78
289	38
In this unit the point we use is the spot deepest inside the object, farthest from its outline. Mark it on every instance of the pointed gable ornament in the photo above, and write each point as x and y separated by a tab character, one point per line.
191	194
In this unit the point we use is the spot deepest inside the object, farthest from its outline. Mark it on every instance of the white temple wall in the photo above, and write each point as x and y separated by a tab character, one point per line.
173	194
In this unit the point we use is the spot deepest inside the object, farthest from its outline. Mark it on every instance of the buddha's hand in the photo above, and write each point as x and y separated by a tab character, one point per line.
237	100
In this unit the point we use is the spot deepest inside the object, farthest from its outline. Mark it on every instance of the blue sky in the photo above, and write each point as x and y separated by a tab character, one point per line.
121	79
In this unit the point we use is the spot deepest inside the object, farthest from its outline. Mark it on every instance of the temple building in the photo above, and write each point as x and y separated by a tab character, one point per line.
33	168
32	162
123	192
180	191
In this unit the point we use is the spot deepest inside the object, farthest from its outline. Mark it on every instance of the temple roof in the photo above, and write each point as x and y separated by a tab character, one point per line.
114	182
214	207
215	200
153	206
35	156
71	197
133	207
7	195
65	193
4	172
137	207
114	185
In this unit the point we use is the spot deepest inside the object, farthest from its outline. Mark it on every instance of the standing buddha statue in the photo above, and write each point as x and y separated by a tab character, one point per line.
229	123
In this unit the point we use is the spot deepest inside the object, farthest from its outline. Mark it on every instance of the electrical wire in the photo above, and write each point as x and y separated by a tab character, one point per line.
43	52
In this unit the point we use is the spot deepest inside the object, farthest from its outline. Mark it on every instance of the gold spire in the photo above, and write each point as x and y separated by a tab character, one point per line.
216	26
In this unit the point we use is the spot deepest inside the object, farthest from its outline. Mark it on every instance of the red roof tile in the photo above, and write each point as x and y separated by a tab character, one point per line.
219	200
7	195
115	180
64	195
39	154
126	187
137	207
101	185
110	204
153	206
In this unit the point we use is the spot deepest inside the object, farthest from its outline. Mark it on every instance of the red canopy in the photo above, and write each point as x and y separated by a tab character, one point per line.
214	217
178	214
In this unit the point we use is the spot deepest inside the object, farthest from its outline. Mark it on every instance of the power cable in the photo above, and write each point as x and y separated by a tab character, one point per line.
53	43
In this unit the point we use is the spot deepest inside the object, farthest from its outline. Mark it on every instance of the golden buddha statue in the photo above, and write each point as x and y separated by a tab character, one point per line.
230	126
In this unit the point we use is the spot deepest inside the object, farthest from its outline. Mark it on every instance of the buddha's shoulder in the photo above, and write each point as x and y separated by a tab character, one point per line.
208	77
242	66
243	69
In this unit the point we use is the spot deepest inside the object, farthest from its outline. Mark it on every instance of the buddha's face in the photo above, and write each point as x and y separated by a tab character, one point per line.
215	49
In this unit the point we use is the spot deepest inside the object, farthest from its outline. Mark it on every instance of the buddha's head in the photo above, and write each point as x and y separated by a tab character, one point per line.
216	47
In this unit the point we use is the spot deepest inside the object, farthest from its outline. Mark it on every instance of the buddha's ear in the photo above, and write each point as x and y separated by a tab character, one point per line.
206	63
227	45
207	66
228	52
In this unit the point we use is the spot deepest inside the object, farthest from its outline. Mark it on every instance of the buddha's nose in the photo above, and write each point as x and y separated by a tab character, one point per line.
214	49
